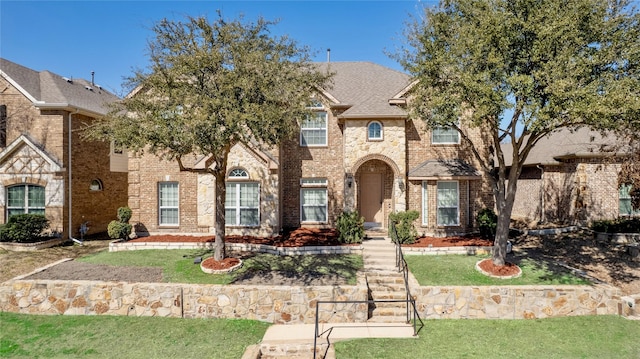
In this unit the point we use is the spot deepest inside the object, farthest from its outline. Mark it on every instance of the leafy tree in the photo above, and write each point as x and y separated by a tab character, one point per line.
519	70
209	86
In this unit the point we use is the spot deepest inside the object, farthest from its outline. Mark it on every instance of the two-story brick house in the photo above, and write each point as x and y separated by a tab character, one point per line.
360	151
46	167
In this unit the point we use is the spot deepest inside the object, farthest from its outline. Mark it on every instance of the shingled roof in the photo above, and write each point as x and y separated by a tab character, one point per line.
365	88
46	89
443	169
568	143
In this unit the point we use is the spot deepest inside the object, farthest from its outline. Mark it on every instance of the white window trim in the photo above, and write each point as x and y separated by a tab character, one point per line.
440	128
381	138
425	204
117	151
234	174
325	129
634	213
160	206
238	207
457	207
314	183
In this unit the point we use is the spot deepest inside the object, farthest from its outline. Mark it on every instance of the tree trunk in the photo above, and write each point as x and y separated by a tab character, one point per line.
221	192
505	196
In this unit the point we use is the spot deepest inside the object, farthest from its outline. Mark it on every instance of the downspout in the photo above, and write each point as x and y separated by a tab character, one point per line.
69	182
541	192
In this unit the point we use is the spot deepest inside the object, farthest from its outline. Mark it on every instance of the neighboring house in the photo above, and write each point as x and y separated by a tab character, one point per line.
45	165
571	177
360	151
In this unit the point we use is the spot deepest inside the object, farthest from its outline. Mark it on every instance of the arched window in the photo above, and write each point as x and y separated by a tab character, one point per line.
238	173
96	185
25	198
374	131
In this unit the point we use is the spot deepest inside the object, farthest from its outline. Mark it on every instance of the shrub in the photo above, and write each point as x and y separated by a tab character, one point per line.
401	227
121	228
118	230
350	227
487	223
620	225
124	214
25	228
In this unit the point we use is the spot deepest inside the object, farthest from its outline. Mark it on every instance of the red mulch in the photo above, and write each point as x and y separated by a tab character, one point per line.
297	238
226	263
455	241
506	270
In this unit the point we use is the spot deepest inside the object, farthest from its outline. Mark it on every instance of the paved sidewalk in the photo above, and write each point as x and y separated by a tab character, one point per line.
337	331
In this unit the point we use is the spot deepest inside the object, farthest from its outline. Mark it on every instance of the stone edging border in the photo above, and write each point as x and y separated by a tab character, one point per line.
120	245
220	271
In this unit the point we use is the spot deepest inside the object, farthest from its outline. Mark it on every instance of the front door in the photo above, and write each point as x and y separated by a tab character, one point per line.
371	194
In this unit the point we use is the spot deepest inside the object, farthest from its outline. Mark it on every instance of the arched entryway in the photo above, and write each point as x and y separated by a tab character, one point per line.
375	179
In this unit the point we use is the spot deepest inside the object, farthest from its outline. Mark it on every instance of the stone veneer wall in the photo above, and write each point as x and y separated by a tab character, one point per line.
516	302
274	304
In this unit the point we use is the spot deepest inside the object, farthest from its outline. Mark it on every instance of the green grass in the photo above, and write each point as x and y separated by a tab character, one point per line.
36	336
460	270
566	338
177	265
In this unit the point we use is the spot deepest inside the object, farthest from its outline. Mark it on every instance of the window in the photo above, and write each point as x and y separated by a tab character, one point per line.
96	185
169	203
313	200
374	131
447	202
313	129
425	204
25	199
625	202
238	173
445	135
242	204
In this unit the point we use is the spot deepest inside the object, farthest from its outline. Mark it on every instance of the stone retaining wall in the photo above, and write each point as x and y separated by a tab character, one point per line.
274	304
117	246
516	302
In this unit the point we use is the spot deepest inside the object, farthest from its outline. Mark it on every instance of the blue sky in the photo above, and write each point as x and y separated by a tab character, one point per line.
73	38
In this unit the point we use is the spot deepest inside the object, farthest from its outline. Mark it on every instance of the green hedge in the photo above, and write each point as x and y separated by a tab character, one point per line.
350	227
620	225
24	228
401	227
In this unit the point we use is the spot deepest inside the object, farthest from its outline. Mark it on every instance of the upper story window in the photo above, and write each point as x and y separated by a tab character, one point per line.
313	129
374	131
445	135
625	207
25	198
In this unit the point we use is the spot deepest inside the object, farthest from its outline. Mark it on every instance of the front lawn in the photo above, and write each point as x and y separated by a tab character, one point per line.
460	270
570	337
178	265
38	336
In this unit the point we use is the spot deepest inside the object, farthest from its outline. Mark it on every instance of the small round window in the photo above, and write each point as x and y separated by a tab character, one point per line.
374	131
96	185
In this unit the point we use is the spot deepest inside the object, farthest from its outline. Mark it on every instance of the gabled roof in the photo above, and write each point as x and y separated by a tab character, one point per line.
48	90
365	89
443	169
568	143
25	140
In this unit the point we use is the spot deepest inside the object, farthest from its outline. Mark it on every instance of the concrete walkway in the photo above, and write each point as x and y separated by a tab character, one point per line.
296	340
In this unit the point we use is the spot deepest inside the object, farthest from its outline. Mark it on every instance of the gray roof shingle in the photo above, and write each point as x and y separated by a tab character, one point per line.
434	169
567	143
366	87
49	88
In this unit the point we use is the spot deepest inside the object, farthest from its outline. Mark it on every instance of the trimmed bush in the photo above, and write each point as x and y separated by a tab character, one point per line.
487	222
25	228
121	228
350	227
401	229
118	230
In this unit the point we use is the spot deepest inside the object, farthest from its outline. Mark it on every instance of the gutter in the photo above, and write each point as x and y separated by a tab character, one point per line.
70	182
541	192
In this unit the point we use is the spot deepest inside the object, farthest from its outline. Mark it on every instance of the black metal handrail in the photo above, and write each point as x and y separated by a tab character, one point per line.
403	267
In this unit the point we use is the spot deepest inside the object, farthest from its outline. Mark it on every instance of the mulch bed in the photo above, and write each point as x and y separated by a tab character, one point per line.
455	241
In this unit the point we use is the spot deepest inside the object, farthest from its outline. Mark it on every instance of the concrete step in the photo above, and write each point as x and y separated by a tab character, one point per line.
388	319
379	268
293	349
384	294
387	278
389	311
